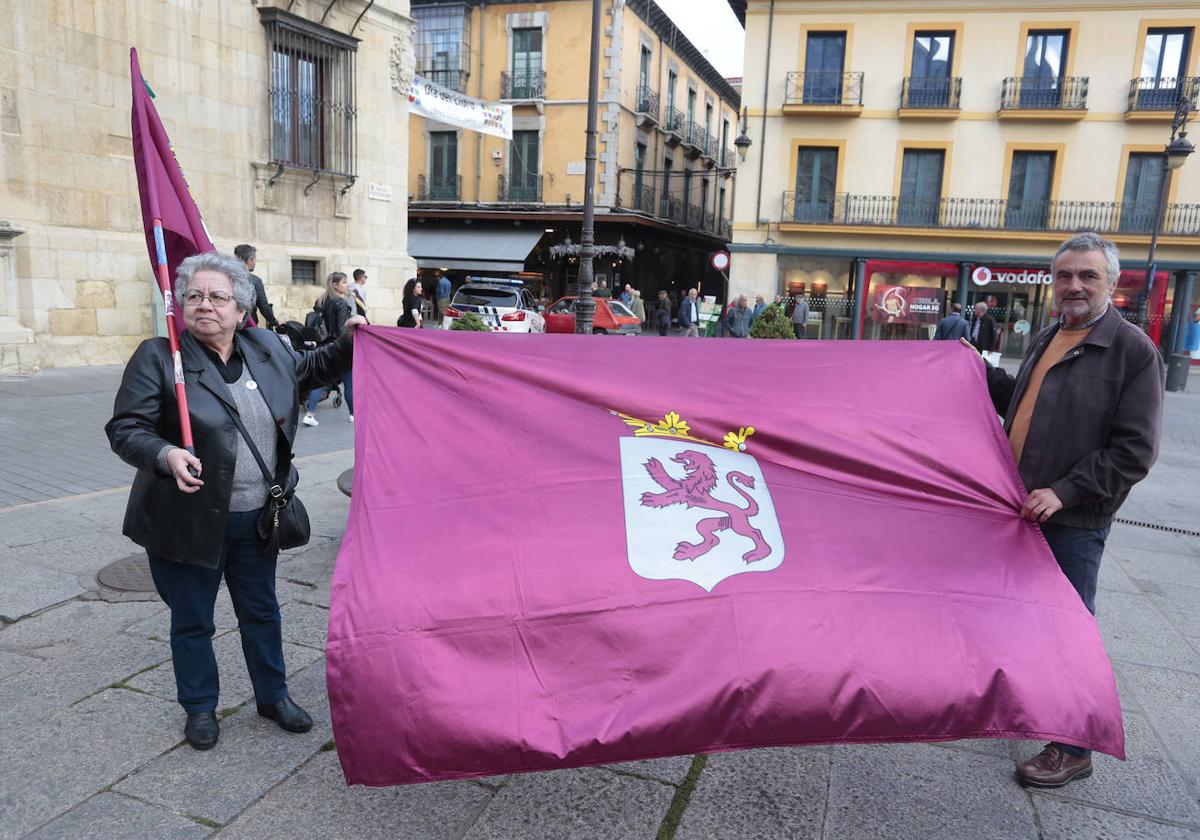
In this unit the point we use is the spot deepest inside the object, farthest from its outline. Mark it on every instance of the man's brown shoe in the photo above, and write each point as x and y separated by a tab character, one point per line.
1052	768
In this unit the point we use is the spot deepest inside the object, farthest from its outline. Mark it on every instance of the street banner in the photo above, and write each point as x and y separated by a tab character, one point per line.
431	100
550	563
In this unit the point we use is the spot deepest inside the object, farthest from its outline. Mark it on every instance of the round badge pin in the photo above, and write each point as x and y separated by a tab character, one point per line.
252	385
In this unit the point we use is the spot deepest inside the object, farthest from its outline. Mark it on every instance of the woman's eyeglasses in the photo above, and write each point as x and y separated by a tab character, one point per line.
217	299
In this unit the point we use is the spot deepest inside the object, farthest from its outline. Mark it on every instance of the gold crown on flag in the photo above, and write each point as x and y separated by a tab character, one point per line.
674	426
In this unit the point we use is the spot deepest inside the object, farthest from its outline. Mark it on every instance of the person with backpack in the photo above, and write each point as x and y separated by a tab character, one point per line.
328	320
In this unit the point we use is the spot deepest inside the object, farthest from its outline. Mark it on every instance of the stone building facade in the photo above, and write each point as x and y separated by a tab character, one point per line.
283	114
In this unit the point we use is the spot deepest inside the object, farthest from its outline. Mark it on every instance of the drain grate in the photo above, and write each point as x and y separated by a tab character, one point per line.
129	574
1170	529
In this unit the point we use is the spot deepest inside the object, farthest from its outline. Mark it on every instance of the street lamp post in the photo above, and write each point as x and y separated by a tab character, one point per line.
585	305
1174	156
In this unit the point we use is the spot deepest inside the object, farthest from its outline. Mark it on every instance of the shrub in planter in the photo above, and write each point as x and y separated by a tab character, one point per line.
772	323
471	322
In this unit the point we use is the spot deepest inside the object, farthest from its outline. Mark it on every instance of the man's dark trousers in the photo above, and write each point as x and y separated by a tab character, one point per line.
1078	552
191	591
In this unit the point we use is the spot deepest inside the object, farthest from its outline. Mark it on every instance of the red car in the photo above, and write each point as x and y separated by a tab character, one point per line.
612	318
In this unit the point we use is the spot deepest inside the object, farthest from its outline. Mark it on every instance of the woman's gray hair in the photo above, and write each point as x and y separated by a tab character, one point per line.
1093	242
243	289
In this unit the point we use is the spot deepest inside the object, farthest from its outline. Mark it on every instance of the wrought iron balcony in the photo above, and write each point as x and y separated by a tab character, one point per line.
823	87
728	159
674	125
452	79
693	215
709	223
1163	93
989	214
525	84
710	146
671	208
526	189
447	188
642	199
694	138
931	92
647	102
1033	93
726	230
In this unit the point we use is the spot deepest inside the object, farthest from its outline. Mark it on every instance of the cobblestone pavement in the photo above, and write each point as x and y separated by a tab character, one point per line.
92	743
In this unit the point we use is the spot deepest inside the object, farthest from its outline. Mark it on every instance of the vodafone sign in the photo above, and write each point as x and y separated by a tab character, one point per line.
982	275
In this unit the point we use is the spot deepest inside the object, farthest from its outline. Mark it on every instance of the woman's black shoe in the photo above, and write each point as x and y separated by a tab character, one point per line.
201	730
287	714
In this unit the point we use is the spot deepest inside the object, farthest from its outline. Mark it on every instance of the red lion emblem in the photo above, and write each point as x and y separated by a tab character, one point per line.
695	491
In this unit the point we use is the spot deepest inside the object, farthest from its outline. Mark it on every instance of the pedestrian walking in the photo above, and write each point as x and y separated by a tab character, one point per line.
639	307
358	294
334	306
983	329
248	254
689	314
442	294
954	326
760	306
411	302
201	526
740	319
662	313
800	316
1084	417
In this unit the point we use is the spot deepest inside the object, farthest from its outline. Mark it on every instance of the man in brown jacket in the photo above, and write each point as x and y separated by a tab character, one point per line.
1084	416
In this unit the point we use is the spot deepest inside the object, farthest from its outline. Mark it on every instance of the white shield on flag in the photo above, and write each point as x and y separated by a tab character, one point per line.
696	512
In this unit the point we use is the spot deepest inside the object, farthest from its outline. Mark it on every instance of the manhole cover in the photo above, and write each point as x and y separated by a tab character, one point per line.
129	574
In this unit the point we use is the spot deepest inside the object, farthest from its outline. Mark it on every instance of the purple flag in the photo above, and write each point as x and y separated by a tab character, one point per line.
162	188
568	550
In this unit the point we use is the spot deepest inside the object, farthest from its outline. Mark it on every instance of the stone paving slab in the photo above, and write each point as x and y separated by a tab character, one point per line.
915	790
55	765
54	684
304	624
252	756
231	668
29	589
673	769
1134	631
317	804
771	793
1145	784
574	805
109	815
15	663
1178	604
57	630
1173	700
1070	821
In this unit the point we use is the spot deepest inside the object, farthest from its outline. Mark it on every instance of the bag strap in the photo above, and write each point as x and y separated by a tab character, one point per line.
273	486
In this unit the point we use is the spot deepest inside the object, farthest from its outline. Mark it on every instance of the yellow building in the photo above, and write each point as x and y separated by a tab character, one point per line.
285	117
945	149
666	121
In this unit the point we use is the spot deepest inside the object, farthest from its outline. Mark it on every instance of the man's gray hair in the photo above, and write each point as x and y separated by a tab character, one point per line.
1093	242
243	289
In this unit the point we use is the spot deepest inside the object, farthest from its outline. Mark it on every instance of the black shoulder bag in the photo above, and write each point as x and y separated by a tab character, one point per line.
284	521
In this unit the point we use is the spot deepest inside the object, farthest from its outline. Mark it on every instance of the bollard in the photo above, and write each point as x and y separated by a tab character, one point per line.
1178	367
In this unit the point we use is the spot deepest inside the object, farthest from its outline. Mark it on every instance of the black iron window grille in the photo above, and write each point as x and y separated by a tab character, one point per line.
931	92
311	94
304	272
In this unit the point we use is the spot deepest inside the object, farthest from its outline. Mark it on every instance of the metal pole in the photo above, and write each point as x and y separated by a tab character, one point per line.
1151	267
585	306
1179	361
964	282
860	298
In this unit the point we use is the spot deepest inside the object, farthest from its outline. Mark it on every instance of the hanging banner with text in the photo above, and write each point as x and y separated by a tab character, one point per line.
430	100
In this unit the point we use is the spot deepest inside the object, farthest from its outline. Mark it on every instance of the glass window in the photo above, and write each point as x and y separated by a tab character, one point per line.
644	69
671	78
618	308
443	165
824	63
1139	201
920	187
483	296
1029	190
1166	53
1045	65
816	183
311	95
691	106
523	166
562	307
932	62
442	44
304	272
527	63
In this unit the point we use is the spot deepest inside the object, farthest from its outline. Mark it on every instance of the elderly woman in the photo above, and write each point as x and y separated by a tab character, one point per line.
196	515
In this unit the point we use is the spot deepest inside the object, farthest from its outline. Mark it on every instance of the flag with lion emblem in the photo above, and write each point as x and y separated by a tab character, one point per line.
568	550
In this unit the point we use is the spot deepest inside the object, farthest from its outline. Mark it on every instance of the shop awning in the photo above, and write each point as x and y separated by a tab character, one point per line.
470	249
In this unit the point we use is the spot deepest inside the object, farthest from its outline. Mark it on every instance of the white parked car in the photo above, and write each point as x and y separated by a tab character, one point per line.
503	306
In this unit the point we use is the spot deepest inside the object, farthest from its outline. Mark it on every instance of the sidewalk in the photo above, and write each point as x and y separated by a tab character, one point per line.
92	741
